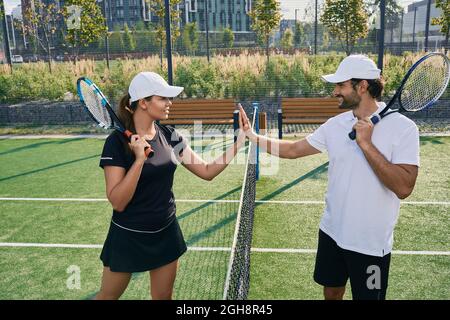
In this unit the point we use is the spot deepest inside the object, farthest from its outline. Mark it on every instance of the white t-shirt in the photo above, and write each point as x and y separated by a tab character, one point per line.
361	213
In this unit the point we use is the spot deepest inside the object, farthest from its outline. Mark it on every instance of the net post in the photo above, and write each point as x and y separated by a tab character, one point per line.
256	111
235	124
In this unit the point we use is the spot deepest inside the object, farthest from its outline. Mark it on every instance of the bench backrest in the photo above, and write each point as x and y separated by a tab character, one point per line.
206	110
308	110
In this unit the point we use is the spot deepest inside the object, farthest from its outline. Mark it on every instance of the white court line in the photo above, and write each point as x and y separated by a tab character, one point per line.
99	200
56	199
50	245
264	250
214	201
402	252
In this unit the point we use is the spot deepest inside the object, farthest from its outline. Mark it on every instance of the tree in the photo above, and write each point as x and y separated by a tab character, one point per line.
346	20
443	20
145	39
308	32
266	16
228	38
117	43
298	35
139	26
128	39
40	23
91	26
287	39
325	40
393	14
158	8
190	37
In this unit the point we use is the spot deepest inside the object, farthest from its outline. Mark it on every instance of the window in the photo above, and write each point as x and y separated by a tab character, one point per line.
192	5
248	5
146	13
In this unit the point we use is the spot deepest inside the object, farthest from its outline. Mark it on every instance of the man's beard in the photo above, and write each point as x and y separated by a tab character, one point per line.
350	103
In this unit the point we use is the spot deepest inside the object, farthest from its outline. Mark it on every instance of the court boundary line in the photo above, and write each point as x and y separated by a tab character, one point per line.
213	200
104	136
257	250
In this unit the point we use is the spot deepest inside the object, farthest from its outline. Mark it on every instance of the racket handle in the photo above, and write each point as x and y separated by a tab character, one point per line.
148	151
374	119
352	135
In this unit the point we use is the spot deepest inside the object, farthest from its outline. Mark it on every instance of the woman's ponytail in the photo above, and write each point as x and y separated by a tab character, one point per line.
125	112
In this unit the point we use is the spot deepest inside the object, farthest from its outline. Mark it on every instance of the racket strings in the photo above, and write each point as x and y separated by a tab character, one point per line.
94	104
426	83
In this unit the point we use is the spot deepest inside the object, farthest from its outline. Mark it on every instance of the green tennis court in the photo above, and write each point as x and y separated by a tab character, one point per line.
55	218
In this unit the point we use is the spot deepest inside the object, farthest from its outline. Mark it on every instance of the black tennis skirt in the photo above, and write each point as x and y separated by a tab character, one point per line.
129	251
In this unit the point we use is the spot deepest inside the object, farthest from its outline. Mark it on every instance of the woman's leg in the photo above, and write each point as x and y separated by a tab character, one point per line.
113	284
162	280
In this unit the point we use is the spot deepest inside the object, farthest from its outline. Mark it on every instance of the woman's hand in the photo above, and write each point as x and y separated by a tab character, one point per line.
138	146
244	124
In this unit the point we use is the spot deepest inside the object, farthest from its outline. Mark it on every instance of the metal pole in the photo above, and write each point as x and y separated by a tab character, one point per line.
427	25
207	29
381	36
5	34
414	25
106	36
168	42
315	31
13	33
401	34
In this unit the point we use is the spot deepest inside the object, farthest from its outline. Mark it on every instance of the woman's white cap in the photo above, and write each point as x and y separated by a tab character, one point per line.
146	84
354	67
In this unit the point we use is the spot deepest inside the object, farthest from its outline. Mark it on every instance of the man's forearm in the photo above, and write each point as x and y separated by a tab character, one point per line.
276	147
393	176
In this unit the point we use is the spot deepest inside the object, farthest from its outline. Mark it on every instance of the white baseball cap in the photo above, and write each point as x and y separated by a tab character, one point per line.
354	67
146	84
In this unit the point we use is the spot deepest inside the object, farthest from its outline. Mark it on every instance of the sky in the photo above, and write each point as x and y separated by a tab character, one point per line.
288	7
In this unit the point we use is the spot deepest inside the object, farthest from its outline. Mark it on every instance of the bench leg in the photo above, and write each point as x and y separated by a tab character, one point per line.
280	124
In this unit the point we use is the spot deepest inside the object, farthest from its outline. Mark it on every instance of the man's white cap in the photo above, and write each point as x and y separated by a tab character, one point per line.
354	67
146	84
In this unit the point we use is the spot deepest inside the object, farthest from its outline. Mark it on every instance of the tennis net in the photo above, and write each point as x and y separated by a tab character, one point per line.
237	280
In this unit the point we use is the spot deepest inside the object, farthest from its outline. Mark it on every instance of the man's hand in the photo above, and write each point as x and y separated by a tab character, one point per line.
364	130
244	124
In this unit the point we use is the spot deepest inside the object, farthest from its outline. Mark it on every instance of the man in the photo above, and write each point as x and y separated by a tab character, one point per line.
366	179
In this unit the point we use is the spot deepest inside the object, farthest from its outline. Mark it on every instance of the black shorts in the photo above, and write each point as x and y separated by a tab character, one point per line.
128	251
334	265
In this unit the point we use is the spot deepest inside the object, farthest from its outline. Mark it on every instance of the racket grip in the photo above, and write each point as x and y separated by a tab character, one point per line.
148	151
374	119
352	135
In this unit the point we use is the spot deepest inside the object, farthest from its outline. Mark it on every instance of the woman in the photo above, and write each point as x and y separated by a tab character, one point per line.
144	234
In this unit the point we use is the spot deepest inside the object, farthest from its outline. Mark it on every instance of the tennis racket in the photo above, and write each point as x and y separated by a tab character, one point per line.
100	110
422	86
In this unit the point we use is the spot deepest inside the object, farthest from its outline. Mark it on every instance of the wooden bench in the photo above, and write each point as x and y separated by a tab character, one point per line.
306	111
207	111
